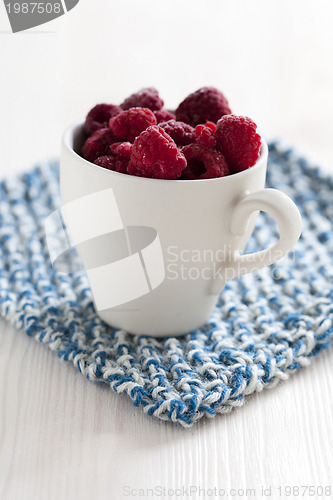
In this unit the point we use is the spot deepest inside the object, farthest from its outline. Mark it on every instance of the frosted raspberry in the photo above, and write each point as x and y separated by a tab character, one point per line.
98	144
112	163
203	163
180	132
122	149
163	115
205	135
237	139
145	98
99	116
205	104
130	123
155	154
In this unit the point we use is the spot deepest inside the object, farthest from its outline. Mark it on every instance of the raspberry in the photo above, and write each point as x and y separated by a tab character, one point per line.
130	123
205	135
98	144
122	149
163	115
211	125
180	132
99	116
205	104
237	139
112	163
203	163
155	154
145	98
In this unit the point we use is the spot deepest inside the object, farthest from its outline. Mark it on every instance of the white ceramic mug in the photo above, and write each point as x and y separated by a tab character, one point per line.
158	252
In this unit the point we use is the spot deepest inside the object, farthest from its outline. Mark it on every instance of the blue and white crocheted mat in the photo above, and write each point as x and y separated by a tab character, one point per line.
266	325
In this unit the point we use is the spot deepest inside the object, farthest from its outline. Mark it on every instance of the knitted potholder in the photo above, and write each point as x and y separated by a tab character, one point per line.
266	325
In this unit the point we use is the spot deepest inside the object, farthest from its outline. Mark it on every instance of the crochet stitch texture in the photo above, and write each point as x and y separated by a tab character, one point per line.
266	325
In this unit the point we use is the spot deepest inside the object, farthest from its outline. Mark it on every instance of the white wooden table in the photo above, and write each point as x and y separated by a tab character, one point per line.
62	437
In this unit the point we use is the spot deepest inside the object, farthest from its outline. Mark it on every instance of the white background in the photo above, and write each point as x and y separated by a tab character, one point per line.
62	437
273	60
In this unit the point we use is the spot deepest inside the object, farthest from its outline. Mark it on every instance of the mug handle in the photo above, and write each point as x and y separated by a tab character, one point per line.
279	206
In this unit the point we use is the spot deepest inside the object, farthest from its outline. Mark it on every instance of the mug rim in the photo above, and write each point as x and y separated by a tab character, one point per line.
67	141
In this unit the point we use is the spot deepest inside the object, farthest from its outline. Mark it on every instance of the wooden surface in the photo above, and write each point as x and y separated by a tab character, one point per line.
62	437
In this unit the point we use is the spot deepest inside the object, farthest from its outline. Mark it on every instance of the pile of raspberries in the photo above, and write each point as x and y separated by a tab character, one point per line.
200	140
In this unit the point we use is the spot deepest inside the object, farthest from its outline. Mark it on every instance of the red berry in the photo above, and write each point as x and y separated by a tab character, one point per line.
99	116
205	104
211	125
98	144
205	135
237	139
203	163
181	133
130	123
155	154
122	149
163	115
145	98
112	163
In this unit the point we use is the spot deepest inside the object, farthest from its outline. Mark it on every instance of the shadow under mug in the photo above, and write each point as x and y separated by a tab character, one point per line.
158	252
